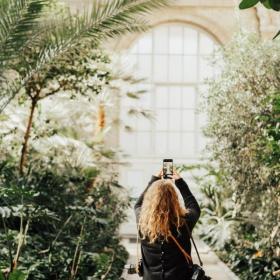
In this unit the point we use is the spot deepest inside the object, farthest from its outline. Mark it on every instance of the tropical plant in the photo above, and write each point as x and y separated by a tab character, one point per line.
68	167
29	42
15	275
269	119
243	111
72	221
248	262
269	4
32	232
217	221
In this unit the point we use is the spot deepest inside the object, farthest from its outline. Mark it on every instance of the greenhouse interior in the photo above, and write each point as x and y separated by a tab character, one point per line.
126	122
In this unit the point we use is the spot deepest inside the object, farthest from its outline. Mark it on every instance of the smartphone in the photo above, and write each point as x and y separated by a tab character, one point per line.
167	168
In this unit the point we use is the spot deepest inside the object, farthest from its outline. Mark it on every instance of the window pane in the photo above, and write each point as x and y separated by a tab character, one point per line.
145	66
144	98
162	97
160	143
206	44
175	68
126	119
145	44
175	97
174	143
144	143
175	120
190	69
190	41
176	39
188	119
161	119
188	147
128	142
161	40
143	123
130	61
132	178
160	68
205	69
188	97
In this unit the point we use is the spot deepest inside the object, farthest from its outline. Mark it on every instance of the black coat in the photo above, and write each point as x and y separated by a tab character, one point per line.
164	260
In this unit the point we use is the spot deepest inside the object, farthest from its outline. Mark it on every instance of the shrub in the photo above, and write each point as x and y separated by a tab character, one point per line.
61	212
241	186
73	221
244	132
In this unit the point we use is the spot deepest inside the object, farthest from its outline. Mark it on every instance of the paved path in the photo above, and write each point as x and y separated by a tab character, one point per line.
213	266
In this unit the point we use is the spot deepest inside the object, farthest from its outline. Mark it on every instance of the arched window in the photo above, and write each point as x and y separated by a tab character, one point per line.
172	58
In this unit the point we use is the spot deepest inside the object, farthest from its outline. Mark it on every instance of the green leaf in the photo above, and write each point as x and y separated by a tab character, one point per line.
91	172
1	276
245	4
275	4
132	95
266	3
17	275
18	20
277	34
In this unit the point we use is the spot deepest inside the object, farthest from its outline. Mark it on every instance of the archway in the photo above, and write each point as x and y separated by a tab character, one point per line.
173	59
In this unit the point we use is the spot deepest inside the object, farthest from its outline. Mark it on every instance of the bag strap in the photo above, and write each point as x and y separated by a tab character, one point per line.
186	255
137	248
200	261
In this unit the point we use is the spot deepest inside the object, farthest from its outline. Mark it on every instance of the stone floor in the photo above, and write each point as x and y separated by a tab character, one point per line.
213	266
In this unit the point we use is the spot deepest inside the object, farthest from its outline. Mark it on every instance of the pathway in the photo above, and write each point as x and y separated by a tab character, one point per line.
213	266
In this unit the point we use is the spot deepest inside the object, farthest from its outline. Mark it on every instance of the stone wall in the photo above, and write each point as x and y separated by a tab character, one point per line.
220	18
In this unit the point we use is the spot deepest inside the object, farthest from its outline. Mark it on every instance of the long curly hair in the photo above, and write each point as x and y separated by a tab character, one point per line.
160	210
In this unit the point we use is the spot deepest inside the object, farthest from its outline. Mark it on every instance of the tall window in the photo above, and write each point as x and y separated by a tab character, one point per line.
172	58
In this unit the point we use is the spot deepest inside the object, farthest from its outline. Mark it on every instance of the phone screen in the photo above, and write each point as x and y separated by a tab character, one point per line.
167	167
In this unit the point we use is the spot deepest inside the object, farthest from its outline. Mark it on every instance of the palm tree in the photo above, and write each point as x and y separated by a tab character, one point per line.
31	42
28	42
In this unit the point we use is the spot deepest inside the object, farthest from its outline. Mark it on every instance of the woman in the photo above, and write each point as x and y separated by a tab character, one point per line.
159	214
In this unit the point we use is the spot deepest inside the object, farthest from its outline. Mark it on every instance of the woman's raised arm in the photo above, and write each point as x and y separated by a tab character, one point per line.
189	200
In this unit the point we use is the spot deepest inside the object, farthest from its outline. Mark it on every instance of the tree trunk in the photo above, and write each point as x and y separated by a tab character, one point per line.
27	135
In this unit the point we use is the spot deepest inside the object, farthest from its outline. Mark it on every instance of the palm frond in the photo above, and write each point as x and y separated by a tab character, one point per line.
17	20
9	92
107	19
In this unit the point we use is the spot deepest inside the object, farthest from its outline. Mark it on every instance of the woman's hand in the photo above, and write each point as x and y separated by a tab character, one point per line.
159	173
175	175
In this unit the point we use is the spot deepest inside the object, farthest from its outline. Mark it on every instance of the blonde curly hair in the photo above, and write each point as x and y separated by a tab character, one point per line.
160	210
